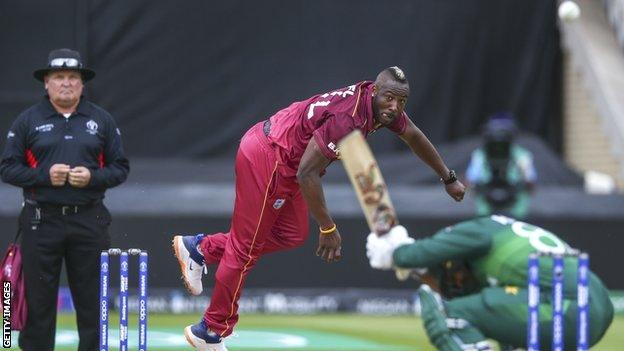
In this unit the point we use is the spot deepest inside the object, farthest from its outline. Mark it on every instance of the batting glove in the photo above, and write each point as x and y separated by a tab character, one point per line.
379	249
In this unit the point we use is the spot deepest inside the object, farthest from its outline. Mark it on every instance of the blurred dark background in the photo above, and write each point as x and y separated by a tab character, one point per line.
186	79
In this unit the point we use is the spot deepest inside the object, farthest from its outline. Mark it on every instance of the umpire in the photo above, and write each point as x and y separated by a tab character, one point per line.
64	152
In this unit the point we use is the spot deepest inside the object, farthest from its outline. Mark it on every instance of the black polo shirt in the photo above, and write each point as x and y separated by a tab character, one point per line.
41	137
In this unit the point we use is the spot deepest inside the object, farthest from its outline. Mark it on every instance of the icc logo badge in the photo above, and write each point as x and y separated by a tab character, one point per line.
92	127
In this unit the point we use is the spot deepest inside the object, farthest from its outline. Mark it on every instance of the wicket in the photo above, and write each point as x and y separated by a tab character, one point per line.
582	335
123	297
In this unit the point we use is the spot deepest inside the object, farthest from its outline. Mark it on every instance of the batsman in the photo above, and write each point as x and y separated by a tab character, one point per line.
479	267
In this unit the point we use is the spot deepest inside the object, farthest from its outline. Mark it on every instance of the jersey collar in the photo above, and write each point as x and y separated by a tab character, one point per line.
48	111
370	125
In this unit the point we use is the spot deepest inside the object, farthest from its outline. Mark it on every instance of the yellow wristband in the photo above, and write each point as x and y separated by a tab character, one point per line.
328	231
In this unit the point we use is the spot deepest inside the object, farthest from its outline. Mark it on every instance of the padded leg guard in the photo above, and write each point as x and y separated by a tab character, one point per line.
448	334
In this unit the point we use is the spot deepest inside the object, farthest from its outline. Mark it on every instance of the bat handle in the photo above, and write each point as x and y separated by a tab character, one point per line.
402	273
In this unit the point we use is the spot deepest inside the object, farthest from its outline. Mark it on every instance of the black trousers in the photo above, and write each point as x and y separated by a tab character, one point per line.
77	238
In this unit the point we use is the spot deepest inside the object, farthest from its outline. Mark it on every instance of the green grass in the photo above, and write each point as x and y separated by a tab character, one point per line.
393	330
394	333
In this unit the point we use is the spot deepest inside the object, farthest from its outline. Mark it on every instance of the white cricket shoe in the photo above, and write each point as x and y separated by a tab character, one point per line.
191	261
203	339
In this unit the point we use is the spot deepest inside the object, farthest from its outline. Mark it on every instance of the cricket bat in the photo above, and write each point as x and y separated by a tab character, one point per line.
369	185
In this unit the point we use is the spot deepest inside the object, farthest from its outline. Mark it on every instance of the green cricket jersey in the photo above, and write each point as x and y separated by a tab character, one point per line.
496	248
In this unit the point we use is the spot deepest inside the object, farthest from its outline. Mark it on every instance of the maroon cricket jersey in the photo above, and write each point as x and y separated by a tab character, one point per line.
328	117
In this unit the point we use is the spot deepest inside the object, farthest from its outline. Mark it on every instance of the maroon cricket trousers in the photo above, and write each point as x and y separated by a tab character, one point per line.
270	214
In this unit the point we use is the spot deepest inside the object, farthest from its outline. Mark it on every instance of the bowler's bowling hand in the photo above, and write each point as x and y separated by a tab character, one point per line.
456	190
79	177
58	174
329	246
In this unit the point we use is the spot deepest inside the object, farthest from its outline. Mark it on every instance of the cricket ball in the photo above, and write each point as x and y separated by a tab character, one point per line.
569	10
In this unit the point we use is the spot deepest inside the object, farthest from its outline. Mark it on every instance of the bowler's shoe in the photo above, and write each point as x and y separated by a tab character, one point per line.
186	249
203	339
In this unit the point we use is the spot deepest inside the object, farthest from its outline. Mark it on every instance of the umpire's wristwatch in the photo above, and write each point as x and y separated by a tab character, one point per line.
452	178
